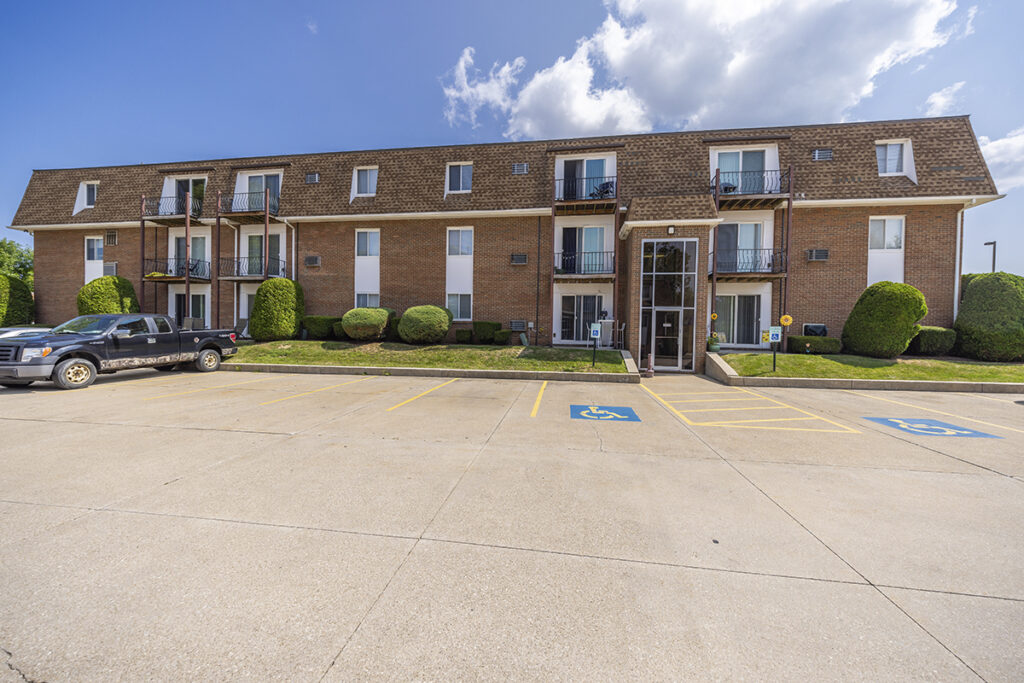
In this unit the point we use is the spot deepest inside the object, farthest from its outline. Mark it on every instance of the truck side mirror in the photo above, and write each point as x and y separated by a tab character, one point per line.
121	334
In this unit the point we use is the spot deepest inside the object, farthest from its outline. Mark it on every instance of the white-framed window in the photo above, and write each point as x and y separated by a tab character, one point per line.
257	183
367	243
461	306
312	178
93	249
90	194
895	158
366	181
367	300
885	233
459	177
460	241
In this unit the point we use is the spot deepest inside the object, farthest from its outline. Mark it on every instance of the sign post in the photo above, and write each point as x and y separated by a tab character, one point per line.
595	334
775	332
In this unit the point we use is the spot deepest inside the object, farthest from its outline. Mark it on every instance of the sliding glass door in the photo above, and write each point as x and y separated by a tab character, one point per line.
578	312
739	318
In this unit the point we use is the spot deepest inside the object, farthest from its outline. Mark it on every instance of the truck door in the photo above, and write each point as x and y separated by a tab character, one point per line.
166	347
134	348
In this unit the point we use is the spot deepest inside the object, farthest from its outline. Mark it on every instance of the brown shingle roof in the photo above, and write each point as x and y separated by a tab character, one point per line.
947	156
672	207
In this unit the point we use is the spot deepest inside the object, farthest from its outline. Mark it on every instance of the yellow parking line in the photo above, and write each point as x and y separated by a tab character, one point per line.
315	391
196	391
932	410
775	419
712	400
536	404
781	429
991	398
665	403
419	395
698	393
801	410
720	410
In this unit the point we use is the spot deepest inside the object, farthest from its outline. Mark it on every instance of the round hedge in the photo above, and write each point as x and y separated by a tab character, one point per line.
990	325
277	311
107	295
423	325
16	304
365	324
884	320
933	341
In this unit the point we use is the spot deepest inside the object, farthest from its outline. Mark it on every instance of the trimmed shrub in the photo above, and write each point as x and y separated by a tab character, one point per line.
365	324
451	316
990	325
392	332
933	341
965	280
464	335
277	311
884	320
484	331
423	325
16	304
798	344
107	295
320	326
339	330
501	337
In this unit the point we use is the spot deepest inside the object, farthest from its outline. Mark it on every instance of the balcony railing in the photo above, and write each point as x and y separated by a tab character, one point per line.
584	189
248	202
171	206
750	182
177	267
251	267
750	261
584	262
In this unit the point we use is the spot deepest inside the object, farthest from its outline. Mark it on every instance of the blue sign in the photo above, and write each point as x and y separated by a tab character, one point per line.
605	413
595	330
921	425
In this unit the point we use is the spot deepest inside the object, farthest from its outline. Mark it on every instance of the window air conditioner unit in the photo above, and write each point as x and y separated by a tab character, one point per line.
312	261
517	325
817	254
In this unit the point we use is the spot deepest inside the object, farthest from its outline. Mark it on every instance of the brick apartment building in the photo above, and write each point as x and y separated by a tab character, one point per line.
650	232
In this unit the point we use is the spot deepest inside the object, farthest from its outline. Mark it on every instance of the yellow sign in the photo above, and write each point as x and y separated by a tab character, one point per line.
764	336
786	320
714	316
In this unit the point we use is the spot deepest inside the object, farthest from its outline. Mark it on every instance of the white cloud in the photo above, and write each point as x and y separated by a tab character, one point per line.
312	27
943	101
969	21
1005	158
684	63
468	93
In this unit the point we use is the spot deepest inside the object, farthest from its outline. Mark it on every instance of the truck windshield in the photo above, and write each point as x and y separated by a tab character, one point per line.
85	324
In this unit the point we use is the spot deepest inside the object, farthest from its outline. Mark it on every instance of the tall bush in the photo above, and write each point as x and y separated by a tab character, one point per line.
990	324
16	304
365	324
107	295
884	320
277	311
423	325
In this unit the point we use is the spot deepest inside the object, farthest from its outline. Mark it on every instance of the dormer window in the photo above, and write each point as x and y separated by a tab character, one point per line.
364	181
90	194
895	158
86	197
460	178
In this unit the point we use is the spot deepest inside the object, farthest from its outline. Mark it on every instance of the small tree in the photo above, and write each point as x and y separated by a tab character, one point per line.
884	320
16	260
107	295
277	310
16	304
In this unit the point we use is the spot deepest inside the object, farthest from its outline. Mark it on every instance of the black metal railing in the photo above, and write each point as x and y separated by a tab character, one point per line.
171	206
584	262
579	189
244	202
251	267
177	267
750	260
749	182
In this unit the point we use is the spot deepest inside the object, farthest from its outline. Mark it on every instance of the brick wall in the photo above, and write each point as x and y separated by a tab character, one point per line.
825	292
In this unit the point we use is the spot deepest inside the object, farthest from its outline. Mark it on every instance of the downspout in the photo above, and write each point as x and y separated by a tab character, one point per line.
142	255
551	291
536	315
959	261
616	268
786	235
216	268
188	254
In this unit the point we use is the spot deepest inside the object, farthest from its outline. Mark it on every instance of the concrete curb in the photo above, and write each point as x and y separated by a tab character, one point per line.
720	371
631	376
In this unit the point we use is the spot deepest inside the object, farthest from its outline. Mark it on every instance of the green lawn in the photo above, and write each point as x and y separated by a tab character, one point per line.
843	366
389	354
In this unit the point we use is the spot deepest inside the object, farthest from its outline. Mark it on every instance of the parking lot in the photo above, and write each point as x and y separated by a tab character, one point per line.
308	527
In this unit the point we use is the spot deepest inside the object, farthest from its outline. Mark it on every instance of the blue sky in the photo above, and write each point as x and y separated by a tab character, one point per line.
120	83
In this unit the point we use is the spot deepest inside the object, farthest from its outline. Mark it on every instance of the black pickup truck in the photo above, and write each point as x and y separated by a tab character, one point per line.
73	354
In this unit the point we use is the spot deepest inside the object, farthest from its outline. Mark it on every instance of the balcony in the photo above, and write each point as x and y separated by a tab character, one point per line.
248	268
579	196
584	264
249	204
171	211
175	269
749	189
735	265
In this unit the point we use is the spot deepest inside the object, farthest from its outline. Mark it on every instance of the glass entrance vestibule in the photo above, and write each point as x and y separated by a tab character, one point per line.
668	303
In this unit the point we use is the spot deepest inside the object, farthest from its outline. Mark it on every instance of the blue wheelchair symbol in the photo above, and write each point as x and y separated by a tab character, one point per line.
603	413
930	427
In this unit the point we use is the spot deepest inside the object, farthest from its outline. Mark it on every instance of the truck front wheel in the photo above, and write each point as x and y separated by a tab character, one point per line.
74	373
208	361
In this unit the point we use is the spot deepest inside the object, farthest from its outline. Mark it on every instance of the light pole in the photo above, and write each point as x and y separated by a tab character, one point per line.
993	245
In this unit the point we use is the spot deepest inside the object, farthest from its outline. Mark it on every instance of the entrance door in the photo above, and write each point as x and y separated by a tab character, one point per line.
739	318
93	258
668	301
667	349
